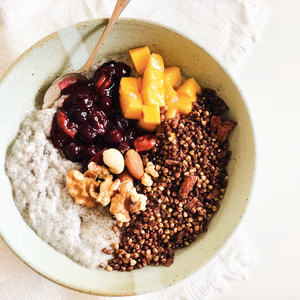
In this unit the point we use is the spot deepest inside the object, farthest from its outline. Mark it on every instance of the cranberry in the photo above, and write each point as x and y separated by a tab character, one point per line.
104	78
122	70
59	138
98	120
107	68
129	135
120	122
89	152
114	136
123	147
88	134
83	100
73	152
78	116
103	84
105	103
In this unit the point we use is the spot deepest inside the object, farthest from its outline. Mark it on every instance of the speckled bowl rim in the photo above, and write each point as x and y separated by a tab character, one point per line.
238	222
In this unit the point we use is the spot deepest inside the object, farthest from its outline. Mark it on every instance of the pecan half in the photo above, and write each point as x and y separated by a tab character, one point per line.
171	162
187	185
193	205
222	127
213	194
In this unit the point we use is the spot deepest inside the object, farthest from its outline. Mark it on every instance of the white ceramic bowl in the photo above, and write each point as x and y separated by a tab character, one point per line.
22	88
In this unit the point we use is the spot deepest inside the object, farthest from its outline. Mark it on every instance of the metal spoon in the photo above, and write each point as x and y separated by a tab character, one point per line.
53	93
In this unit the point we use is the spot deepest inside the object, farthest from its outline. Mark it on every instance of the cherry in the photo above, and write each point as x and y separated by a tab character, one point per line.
98	120
107	68
59	138
78	116
122	70
114	136
89	152
88	134
72	152
120	122
105	103
129	135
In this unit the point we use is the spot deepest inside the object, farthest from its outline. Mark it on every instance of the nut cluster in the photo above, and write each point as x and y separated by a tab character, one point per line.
190	159
96	186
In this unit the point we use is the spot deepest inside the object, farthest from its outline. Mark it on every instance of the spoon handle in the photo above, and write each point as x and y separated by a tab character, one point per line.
120	6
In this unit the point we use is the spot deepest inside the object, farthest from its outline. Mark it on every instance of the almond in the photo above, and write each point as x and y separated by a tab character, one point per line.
125	175
134	164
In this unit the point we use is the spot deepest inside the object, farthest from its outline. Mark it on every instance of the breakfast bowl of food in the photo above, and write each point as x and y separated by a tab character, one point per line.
133	178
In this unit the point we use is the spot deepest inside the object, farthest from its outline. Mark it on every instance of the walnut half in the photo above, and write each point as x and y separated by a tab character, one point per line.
126	201
86	191
80	187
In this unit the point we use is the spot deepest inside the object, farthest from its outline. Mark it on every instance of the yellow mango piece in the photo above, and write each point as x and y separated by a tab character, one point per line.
131	104
172	75
184	104
152	96
155	63
132	110
129	83
171	112
146	126
153	79
140	57
139	84
151	114
170	94
190	88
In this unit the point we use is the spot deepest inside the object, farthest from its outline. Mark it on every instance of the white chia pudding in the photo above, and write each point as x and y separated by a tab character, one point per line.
37	171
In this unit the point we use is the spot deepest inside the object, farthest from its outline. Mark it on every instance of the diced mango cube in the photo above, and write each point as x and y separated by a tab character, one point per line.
130	98
153	79
190	88
152	96
173	76
129	83
155	62
139	84
184	104
151	114
170	94
131	104
146	126
140	57
171	112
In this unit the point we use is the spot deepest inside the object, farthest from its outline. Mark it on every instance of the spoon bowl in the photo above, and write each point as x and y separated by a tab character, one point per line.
53	93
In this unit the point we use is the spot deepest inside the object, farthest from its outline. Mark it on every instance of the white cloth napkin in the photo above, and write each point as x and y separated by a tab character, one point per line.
227	28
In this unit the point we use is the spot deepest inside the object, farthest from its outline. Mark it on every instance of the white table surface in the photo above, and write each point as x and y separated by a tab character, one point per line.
270	80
